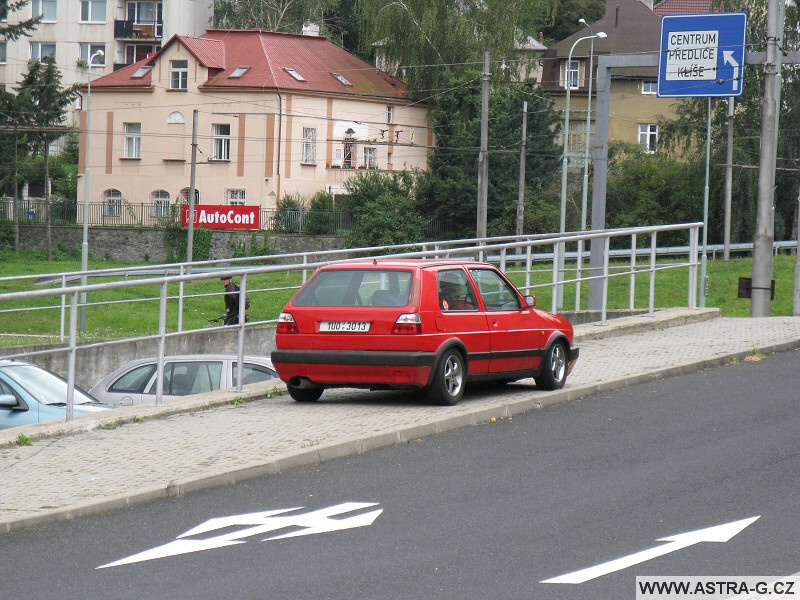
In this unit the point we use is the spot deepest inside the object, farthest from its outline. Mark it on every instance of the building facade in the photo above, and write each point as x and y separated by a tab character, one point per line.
276	114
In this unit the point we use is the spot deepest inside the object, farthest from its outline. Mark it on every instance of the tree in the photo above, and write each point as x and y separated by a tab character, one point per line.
43	106
271	15
448	192
564	16
12	32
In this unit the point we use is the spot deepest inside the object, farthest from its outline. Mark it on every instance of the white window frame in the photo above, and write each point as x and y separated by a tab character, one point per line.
179	74
134	9
236	197
160	199
88	50
112	203
309	147
648	137
370	157
38	48
133	140
350	153
390	115
649	87
221	149
572	74
40	7
184	194
93	11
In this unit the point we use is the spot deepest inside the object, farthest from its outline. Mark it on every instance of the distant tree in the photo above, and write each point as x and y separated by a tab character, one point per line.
564	16
13	31
43	107
271	15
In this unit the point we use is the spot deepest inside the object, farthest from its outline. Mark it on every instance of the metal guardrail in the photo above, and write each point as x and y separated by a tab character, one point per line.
502	250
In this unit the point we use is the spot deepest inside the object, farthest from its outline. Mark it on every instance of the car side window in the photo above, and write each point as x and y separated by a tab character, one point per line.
497	294
455	292
252	374
134	381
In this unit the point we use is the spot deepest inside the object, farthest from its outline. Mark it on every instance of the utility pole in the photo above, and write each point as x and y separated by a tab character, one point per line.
192	178
761	283
483	161
521	196
726	246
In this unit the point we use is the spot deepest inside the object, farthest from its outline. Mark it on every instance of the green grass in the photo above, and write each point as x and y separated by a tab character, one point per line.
127	318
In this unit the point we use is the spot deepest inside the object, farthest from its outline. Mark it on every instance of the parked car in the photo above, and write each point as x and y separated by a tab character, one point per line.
135	382
428	324
30	394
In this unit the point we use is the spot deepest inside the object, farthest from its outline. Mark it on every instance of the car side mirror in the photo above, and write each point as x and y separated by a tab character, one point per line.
8	401
530	301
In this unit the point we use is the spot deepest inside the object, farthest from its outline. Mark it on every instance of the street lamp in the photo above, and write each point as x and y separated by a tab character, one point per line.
85	244
564	161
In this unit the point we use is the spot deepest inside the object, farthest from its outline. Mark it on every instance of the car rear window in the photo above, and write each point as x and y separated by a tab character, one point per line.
357	287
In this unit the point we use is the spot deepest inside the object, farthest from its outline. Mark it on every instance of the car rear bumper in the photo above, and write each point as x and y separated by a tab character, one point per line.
355	367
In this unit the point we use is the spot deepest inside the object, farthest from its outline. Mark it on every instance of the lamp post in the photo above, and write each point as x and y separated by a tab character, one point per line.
85	244
564	161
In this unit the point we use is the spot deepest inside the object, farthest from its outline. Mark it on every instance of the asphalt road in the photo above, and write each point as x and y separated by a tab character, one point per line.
484	512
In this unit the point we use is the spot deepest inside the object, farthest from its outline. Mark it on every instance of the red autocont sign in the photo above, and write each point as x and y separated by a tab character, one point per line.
215	216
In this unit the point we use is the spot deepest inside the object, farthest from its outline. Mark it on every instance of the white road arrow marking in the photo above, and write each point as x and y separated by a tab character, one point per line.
718	533
727	58
318	521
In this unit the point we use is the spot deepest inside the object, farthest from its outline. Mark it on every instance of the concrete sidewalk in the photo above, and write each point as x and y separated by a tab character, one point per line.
115	459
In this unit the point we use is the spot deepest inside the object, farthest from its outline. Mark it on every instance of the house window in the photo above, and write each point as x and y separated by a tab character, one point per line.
237	197
648	136
143	13
390	114
41	50
89	50
184	194
3	11
309	146
222	142
349	153
577	137
45	8
2	53
238	72
649	87
179	74
295	74
141	72
136	52
93	11
112	203
133	140
370	158
572	74
160	199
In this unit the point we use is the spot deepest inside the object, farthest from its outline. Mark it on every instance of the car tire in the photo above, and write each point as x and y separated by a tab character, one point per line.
554	368
449	379
304	394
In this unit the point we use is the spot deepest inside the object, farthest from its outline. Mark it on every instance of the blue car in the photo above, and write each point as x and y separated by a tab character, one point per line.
30	394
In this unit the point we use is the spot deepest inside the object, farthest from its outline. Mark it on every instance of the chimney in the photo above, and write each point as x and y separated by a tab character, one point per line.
311	29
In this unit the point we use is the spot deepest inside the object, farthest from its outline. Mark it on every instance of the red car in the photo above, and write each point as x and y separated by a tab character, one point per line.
427	324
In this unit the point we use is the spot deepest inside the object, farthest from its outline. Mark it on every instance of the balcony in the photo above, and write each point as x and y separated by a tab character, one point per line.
131	30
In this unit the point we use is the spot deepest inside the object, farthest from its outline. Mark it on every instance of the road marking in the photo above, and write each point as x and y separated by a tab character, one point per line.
318	521
718	533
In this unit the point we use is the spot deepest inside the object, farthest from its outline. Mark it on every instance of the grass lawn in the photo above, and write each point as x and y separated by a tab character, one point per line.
134	311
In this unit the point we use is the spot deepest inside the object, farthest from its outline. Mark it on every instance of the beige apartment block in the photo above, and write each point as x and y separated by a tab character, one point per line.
115	32
276	113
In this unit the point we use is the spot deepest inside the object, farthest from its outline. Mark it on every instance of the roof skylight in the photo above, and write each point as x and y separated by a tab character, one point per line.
294	74
342	79
239	72
141	72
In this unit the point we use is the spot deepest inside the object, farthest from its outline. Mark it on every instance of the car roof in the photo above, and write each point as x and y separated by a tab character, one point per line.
197	357
402	263
13	362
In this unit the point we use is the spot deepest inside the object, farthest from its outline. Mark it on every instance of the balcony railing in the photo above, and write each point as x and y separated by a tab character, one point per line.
133	30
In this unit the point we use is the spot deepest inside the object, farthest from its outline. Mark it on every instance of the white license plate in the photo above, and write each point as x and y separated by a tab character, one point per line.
344	326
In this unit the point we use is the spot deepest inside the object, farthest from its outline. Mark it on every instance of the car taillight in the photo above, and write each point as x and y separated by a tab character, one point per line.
286	324
408	324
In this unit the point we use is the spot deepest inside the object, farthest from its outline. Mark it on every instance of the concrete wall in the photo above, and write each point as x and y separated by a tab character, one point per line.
94	363
134	244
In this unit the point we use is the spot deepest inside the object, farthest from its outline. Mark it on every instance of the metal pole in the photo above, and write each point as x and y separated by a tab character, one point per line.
521	195
704	259
162	341
73	326
760	295
190	217
726	243
483	162
86	157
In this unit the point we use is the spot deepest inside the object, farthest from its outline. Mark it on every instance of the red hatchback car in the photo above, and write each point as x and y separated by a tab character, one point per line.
426	324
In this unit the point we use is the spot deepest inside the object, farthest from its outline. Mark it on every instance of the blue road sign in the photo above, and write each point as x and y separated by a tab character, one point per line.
702	55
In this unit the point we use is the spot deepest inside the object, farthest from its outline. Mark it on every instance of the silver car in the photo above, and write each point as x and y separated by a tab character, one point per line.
135	382
30	394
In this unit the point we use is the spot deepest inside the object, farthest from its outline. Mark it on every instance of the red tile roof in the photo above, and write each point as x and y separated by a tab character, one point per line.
683	7
269	55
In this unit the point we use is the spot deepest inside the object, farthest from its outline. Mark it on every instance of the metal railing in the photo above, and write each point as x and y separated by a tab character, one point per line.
524	251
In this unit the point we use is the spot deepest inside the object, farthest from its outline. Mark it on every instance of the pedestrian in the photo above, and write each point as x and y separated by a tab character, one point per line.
231	316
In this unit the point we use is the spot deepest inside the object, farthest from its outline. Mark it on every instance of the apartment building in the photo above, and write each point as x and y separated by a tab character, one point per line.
276	113
115	32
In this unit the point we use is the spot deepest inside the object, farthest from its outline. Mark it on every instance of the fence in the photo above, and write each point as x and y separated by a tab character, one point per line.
33	211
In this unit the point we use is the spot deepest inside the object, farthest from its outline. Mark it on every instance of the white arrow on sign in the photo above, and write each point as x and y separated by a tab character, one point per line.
318	521
727	58
718	533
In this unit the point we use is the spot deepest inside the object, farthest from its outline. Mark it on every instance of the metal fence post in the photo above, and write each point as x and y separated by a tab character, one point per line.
554	298
242	319
162	338
606	259
578	265
180	302
63	307
693	242
651	304
632	290
73	347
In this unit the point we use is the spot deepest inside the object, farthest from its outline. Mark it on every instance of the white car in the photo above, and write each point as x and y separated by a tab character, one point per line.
135	382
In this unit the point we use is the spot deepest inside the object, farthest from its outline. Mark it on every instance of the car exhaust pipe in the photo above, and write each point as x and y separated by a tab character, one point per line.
301	383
